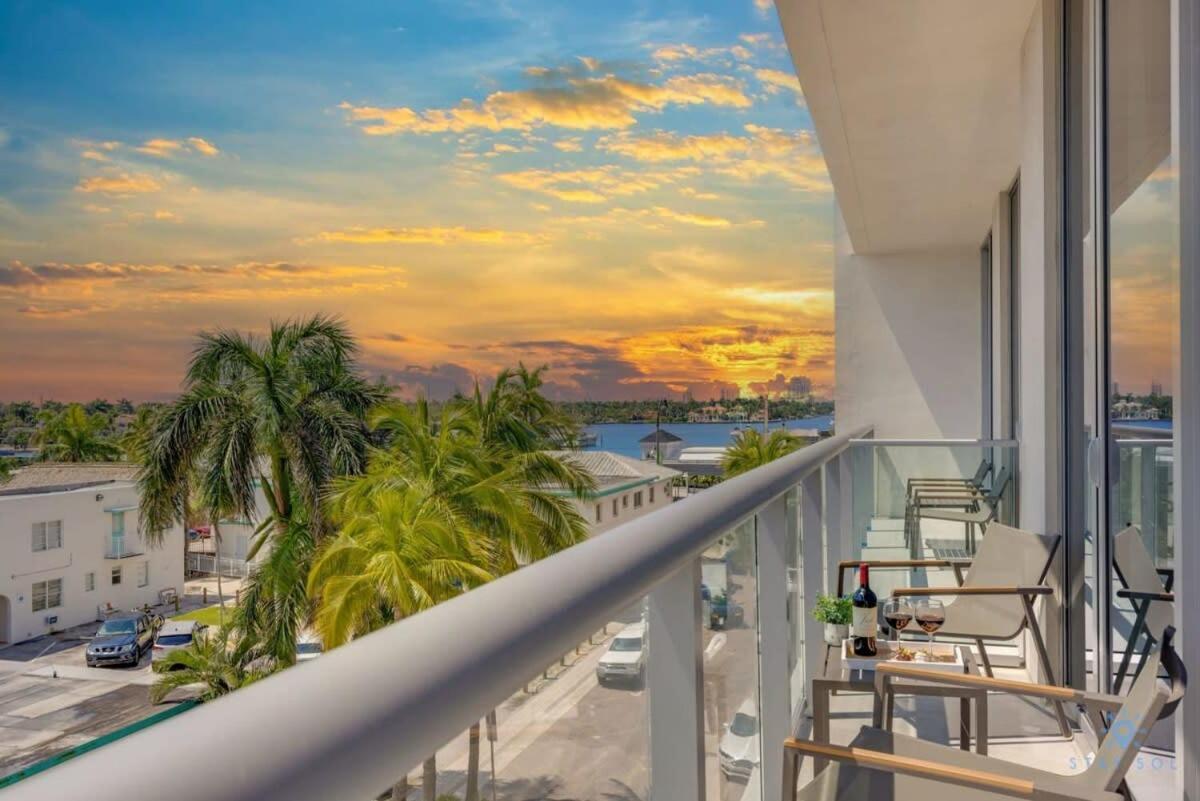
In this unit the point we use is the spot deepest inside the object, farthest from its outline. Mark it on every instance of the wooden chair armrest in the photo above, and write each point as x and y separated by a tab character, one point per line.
1138	595
886	671
851	563
1037	589
893	763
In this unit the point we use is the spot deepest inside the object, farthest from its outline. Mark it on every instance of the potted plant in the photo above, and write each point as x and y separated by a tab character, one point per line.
836	614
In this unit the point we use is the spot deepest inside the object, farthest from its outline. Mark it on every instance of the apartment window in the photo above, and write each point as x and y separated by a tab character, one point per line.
47	536
143	574
89	582
47	594
637	500
116	576
651	493
615	507
625	501
597	513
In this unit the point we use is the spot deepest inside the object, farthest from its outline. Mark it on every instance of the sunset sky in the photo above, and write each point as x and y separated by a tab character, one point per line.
628	191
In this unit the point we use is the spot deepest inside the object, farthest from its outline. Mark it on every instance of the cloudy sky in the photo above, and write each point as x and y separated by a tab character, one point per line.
628	191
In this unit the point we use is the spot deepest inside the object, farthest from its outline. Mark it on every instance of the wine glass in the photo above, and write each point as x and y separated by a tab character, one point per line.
930	614
898	613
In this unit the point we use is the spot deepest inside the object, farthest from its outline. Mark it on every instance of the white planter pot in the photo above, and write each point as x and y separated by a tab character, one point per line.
835	633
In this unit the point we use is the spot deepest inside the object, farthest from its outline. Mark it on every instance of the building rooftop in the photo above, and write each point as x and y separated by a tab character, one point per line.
662	435
61	477
613	470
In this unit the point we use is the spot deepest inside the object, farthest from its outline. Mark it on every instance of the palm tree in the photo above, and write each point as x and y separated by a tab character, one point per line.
398	553
478	469
75	436
285	412
752	449
221	662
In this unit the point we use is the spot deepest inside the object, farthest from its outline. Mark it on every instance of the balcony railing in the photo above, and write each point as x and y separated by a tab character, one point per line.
121	548
349	724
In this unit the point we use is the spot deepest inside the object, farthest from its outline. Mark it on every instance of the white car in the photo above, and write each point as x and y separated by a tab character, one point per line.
738	752
176	634
625	660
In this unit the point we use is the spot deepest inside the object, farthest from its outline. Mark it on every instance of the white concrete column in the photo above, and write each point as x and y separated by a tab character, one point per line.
675	687
812	571
775	701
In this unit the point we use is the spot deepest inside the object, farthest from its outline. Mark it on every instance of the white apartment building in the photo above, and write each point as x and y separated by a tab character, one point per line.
71	551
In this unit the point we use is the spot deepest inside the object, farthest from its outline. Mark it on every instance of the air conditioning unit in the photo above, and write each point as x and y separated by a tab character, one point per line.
51	620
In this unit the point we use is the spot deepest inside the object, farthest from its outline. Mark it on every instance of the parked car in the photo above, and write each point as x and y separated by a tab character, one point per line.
121	640
176	634
625	660
725	613
738	750
308	647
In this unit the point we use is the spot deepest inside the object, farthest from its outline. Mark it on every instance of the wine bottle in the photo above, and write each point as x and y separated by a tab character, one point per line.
863	628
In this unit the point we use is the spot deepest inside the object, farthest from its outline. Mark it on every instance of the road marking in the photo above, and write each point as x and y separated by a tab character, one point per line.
714	645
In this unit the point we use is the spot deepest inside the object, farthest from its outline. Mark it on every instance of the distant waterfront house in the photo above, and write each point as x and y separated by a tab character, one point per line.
661	442
625	488
71	549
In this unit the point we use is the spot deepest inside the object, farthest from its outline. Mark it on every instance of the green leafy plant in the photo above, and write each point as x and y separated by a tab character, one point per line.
832	609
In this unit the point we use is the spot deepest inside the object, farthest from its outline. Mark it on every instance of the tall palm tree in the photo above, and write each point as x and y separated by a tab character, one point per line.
285	412
220	662
398	553
481	472
752	449
73	435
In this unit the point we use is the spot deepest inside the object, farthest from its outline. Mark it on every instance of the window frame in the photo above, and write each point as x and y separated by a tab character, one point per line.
116	576
49	589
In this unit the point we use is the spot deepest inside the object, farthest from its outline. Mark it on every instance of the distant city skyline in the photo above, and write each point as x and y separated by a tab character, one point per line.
630	193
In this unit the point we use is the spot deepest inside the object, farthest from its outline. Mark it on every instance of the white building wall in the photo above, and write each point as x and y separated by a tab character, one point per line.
86	528
626	506
908	341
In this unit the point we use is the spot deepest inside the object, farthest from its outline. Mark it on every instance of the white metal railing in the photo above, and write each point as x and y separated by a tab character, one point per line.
210	563
347	725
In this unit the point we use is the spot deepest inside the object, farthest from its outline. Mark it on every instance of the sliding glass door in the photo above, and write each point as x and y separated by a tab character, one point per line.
1121	294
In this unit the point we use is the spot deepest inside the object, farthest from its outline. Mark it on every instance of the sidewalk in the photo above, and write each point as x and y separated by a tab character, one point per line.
523	717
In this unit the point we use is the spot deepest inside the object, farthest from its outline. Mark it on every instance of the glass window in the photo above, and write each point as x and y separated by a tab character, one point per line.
625	500
47	536
47	594
598	515
651	493
615	507
89	582
116	576
637	500
143	574
119	626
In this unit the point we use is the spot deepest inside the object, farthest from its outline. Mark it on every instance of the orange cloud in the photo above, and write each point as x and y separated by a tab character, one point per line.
594	185
167	148
119	184
607	102
203	146
763	152
775	81
360	235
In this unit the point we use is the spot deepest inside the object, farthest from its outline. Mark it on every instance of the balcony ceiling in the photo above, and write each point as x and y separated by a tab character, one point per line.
917	109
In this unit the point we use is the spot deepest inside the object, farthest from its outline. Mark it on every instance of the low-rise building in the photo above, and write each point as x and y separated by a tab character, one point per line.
71	550
625	488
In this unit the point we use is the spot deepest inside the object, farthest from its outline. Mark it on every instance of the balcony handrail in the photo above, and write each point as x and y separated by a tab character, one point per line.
933	442
349	724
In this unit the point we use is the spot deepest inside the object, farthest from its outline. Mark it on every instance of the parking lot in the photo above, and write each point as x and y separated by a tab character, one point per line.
50	700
